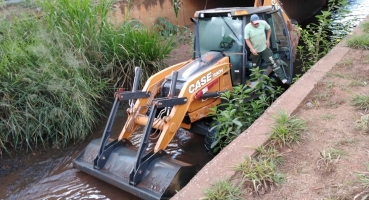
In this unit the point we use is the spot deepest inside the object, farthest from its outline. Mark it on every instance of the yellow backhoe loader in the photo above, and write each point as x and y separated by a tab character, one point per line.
181	96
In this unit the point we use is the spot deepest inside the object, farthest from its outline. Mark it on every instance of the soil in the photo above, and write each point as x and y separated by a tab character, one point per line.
331	120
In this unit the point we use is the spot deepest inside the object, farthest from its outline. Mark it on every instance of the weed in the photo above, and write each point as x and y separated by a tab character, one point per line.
363	123
315	37
261	173
330	85
239	111
286	129
361	83
361	101
327	117
359	41
328	159
223	189
325	96
339	75
268	153
364	177
365	27
182	34
346	62
346	142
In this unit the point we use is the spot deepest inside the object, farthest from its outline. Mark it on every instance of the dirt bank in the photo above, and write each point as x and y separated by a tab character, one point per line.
322	97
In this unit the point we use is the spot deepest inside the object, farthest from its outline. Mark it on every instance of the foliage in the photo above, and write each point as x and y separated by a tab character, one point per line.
47	95
241	107
223	190
166	29
321	37
286	129
177	6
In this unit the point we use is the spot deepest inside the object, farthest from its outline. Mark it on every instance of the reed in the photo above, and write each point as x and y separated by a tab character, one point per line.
48	96
115	49
57	68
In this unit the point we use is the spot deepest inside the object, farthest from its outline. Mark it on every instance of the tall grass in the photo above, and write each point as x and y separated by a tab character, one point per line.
130	45
47	95
55	70
116	49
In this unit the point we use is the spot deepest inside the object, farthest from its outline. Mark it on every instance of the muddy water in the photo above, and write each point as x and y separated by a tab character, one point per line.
51	175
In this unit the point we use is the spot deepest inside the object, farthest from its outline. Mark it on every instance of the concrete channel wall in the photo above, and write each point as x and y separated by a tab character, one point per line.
257	134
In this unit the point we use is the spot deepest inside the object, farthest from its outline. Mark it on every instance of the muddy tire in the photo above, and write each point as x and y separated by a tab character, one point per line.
210	138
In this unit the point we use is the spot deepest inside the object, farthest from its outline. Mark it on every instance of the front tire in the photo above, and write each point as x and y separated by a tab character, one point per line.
210	138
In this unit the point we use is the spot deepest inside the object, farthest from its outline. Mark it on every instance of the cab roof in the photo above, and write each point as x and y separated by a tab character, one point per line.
233	11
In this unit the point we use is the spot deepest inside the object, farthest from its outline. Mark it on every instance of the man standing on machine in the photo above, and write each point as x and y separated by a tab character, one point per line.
259	45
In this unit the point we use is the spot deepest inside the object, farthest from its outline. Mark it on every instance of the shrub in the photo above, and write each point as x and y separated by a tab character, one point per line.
241	107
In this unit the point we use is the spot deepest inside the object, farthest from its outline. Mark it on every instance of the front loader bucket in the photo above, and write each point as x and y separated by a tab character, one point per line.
163	177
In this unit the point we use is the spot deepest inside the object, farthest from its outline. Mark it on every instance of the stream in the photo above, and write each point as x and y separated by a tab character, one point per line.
50	175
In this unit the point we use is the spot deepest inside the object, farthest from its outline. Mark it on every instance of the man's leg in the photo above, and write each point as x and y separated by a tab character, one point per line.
267	54
255	60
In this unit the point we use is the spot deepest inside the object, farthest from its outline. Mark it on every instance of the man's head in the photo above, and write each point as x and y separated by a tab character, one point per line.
254	19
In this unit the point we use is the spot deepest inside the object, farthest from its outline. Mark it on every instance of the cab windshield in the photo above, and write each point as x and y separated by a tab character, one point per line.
223	34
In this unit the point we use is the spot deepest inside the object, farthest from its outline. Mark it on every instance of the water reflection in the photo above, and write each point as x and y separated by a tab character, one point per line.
358	10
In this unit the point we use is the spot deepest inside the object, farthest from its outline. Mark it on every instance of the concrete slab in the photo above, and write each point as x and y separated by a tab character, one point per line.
258	133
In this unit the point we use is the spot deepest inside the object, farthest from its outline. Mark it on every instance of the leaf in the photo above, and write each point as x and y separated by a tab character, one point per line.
237	122
214	143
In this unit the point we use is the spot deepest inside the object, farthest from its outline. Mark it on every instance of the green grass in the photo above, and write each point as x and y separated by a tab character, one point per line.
361	101
223	190
286	129
359	82
327	117
364	177
269	153
346	63
48	96
359	41
116	49
261	173
58	71
365	27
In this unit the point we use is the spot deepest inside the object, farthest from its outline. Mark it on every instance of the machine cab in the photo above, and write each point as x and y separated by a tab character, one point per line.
223	30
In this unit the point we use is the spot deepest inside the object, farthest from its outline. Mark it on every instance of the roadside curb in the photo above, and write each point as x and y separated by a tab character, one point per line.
221	166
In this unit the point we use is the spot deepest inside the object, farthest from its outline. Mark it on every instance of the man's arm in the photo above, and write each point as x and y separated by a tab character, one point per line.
253	51
269	32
